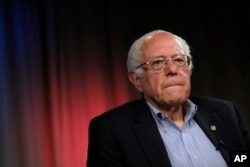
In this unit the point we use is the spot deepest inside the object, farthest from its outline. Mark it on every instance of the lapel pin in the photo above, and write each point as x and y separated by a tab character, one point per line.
213	127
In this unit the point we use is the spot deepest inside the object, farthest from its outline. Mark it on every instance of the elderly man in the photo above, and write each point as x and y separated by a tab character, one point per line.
166	127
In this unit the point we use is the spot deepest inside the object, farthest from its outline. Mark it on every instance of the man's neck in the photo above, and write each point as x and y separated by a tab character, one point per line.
176	115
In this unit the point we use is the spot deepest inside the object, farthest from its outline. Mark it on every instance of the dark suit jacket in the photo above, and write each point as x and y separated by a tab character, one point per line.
127	136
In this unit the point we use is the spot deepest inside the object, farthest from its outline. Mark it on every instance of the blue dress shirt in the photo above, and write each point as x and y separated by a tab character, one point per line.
189	147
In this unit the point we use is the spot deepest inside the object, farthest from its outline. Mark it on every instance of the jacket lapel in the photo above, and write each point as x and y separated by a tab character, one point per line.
149	137
211	125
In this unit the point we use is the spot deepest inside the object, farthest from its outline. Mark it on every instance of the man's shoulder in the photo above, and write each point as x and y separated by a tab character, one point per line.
123	110
211	102
208	99
128	105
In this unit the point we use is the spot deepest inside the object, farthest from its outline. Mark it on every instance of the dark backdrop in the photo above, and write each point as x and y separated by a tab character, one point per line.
62	63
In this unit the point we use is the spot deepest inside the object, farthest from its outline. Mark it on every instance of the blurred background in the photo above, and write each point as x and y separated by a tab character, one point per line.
62	63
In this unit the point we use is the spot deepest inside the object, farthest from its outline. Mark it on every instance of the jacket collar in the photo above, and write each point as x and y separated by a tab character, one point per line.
212	126
149	137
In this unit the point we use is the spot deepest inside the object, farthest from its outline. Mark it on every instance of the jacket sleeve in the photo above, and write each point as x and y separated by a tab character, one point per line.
102	149
244	131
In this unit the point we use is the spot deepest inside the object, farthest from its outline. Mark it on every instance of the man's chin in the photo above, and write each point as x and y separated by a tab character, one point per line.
175	100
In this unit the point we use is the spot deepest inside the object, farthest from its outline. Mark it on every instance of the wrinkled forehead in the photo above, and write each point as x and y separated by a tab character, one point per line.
159	42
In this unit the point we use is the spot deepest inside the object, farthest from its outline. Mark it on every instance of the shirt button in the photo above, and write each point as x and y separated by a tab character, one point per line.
195	156
183	135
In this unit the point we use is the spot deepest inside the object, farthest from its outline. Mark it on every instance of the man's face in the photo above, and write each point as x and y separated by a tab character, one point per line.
170	86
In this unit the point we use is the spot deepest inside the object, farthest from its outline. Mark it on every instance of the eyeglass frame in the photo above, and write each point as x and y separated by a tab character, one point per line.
187	61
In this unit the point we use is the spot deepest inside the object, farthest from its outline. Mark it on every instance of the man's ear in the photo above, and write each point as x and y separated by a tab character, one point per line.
135	79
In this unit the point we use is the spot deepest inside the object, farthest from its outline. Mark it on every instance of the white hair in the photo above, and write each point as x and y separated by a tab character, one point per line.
134	54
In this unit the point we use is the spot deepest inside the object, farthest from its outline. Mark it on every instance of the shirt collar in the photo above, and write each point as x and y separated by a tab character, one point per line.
189	107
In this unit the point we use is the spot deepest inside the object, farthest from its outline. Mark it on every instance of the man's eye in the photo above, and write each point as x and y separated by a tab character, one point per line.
179	60
157	62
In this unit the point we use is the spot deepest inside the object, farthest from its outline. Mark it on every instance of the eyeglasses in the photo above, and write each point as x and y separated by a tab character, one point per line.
159	63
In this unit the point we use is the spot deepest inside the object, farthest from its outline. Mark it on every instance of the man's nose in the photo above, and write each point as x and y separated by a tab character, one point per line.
170	67
170	64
